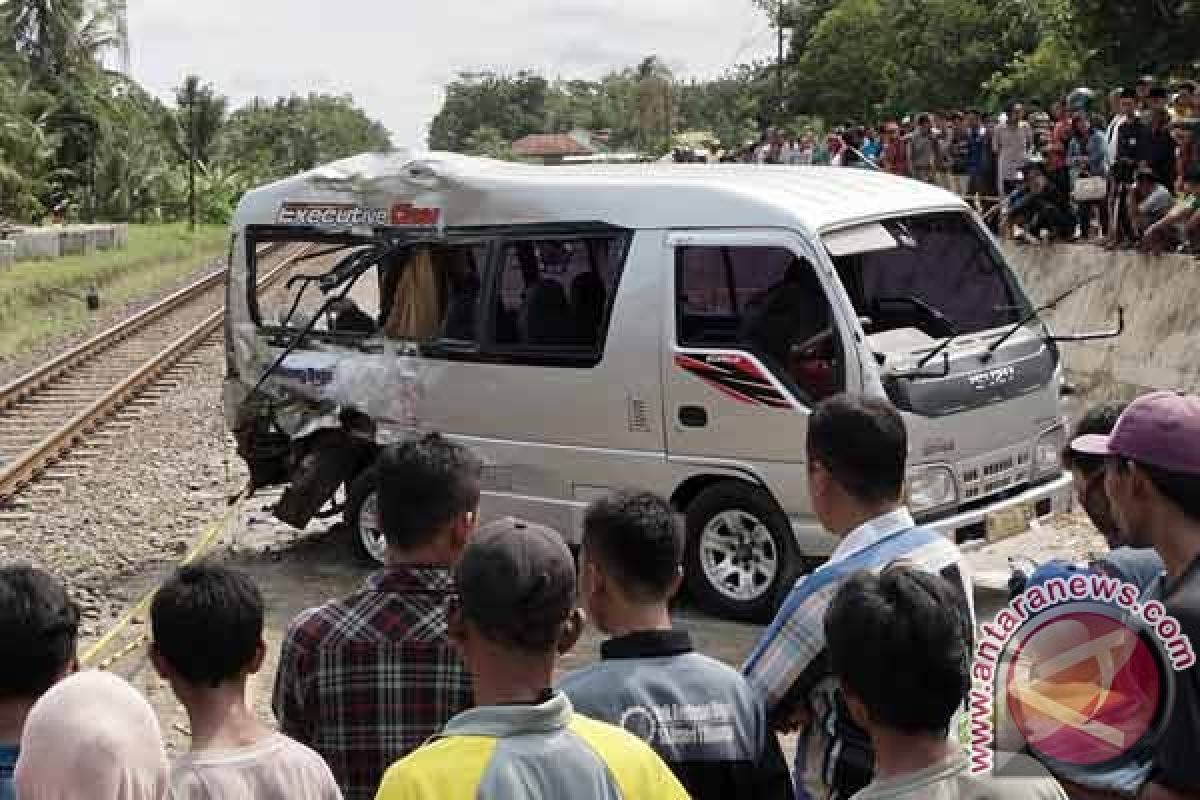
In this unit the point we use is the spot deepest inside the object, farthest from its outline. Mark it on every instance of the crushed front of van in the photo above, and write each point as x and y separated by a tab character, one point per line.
949	338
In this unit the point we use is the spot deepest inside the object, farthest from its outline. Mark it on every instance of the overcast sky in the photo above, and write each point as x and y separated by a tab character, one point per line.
395	56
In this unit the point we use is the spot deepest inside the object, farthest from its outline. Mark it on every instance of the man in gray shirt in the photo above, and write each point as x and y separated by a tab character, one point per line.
924	151
701	716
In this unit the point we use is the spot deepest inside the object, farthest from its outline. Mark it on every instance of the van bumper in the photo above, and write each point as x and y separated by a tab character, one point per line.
1037	502
1043	500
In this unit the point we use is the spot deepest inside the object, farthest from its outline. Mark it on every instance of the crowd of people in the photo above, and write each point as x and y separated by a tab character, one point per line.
439	678
1125	174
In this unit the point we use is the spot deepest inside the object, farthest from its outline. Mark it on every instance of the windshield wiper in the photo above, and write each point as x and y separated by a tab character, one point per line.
1034	314
934	313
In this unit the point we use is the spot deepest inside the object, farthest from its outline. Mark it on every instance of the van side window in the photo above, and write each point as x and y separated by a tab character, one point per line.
554	295
764	300
434	293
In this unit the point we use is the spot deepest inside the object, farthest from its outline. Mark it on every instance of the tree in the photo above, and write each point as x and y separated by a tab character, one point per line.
192	130
1128	39
655	111
513	105
801	16
56	36
489	142
266	141
27	149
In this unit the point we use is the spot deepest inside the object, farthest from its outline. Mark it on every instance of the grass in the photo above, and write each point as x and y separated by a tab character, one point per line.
33	307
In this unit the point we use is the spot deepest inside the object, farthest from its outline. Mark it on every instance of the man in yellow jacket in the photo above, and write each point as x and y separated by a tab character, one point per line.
515	615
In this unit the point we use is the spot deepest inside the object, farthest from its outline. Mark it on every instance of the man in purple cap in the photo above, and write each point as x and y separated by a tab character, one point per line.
1153	482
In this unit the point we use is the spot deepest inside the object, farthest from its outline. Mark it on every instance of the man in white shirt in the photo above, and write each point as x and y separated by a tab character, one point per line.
1011	142
857	450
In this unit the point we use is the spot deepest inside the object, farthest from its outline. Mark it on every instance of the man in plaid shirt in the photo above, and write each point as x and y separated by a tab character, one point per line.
856	465
367	679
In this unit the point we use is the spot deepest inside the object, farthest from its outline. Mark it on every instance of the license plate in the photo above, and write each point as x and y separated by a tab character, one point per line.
1009	521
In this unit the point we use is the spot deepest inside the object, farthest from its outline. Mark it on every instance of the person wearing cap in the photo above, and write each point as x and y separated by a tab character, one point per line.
366	679
516	613
1153	481
1139	565
697	713
857	453
1130	559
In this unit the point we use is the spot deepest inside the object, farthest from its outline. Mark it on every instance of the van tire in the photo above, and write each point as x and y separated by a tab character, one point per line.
739	516
358	494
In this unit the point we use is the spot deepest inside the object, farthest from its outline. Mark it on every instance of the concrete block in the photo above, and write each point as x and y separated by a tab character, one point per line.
76	242
120	235
38	243
8	253
105	236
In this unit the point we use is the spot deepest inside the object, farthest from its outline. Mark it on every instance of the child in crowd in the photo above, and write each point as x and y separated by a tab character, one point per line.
92	737
698	714
39	622
208	623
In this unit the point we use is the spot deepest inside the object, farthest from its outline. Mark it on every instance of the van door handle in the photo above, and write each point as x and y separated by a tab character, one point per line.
693	417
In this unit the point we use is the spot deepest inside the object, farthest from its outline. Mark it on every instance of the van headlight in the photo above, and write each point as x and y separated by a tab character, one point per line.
931	489
1047	453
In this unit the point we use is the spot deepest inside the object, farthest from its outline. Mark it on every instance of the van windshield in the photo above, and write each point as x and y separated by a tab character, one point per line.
936	273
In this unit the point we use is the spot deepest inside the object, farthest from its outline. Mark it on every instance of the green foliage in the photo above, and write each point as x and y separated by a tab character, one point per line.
32	303
488	142
77	138
1128	39
265	141
641	107
512	105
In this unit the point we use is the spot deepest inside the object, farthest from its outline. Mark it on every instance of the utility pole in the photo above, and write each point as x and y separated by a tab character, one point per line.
191	147
121	10
779	62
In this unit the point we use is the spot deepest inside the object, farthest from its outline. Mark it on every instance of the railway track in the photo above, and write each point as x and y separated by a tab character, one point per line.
53	410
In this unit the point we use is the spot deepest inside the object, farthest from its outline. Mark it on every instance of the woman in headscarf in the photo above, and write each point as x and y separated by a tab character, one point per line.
92	736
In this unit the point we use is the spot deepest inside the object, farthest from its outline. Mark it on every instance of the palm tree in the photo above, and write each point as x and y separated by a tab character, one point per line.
192	131
27	149
57	36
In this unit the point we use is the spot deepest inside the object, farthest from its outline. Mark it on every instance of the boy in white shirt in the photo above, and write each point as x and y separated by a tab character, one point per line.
207	622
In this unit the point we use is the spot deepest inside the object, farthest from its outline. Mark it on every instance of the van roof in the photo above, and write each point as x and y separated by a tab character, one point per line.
478	191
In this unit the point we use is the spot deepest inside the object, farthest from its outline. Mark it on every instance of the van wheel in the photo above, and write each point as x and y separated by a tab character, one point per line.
361	517
740	557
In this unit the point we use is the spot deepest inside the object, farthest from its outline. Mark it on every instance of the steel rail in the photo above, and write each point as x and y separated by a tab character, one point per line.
18	474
